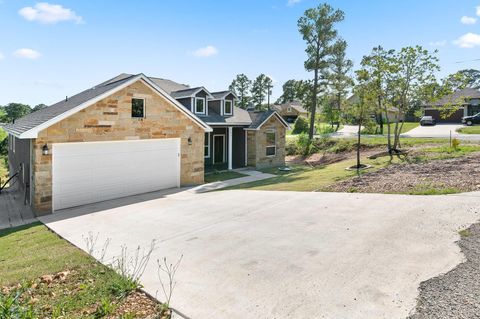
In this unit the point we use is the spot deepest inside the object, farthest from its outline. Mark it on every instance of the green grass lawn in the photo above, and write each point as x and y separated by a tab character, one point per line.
407	126
30	251
222	176
307	179
88	289
469	130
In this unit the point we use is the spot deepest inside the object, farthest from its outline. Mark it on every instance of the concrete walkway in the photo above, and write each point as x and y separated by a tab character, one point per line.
252	177
261	254
13	212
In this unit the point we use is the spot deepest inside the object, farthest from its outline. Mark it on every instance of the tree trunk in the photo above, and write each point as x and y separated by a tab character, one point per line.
380	119
389	131
314	105
358	143
339	101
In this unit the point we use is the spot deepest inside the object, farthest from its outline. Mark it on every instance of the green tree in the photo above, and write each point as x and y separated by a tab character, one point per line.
289	94
338	76
469	78
39	107
14	111
412	69
260	90
241	86
317	29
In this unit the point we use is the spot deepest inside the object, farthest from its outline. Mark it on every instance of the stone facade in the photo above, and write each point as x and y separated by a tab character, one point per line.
110	120
257	143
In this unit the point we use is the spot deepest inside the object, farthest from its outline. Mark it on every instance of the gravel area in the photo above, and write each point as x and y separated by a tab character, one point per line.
455	294
457	175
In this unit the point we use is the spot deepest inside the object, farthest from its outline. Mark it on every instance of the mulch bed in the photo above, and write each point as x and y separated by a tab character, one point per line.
456	293
462	174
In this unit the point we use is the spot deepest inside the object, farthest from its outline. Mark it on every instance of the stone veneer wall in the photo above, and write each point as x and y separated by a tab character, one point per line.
257	142
110	120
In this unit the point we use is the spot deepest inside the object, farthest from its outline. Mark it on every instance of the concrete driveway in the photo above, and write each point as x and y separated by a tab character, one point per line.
259	254
438	131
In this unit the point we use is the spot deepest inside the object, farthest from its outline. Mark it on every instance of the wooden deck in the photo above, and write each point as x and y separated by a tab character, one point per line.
13	212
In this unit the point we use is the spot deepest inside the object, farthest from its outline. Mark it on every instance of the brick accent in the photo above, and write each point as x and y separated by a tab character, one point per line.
110	120
257	143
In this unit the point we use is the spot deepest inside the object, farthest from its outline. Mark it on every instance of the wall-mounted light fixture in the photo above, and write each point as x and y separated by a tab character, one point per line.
45	149
189	141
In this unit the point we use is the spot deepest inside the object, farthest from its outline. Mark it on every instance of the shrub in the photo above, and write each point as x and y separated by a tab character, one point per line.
325	129
369	127
455	144
300	126
291	147
304	145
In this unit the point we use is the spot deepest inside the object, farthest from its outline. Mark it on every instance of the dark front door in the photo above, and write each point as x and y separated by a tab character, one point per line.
218	149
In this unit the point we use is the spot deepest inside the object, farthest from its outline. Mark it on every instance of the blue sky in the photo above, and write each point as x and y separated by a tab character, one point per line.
48	52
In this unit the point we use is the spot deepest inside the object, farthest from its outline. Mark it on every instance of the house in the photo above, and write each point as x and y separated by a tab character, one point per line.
291	111
461	103
134	134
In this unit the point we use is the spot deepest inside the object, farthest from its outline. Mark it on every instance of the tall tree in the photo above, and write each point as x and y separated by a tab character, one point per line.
289	91
269	85
241	86
338	74
469	78
14	111
260	89
317	29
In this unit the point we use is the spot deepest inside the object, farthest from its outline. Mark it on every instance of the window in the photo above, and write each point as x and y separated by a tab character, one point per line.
271	148
207	145
228	107
289	109
200	105
138	108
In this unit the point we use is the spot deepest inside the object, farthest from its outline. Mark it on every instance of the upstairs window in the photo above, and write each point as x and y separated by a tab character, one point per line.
289	109
228	107
200	105
271	147
138	108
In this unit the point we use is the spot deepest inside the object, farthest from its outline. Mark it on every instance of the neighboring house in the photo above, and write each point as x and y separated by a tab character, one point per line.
461	103
291	111
134	134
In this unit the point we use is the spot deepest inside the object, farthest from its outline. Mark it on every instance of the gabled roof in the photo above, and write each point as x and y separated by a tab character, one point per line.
30	125
168	86
190	92
222	94
459	97
260	118
296	105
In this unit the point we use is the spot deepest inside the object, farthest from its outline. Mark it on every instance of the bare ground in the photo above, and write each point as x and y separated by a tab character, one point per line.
455	175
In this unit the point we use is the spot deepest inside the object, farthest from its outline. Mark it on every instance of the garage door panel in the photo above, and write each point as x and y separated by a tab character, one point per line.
91	172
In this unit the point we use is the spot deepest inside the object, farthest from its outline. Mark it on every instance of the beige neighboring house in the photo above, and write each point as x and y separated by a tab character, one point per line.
135	134
291	111
392	112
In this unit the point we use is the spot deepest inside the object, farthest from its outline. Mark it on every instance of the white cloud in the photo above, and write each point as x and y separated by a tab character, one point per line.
440	43
27	53
468	20
206	52
478	11
468	40
292	2
1	56
44	12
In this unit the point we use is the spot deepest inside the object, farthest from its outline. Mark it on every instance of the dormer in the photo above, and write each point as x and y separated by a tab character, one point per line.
194	99
223	103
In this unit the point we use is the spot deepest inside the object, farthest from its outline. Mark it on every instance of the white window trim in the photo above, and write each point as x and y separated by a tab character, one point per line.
208	145
231	107
204	105
144	108
270	146
13	144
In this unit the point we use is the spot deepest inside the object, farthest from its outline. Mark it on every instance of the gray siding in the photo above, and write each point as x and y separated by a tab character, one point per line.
187	102
215	106
20	158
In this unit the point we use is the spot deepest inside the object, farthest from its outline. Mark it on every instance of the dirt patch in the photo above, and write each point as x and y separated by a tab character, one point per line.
456	293
320	159
450	175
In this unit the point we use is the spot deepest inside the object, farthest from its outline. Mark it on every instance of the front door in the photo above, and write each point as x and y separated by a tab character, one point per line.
218	149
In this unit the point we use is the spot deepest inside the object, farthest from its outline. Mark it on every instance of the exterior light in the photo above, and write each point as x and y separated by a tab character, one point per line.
45	149
189	141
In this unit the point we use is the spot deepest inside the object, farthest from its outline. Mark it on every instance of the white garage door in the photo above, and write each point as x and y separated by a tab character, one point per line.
91	172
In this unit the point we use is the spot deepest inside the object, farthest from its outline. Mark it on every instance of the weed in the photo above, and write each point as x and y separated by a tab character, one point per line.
169	284
464	233
105	308
13	306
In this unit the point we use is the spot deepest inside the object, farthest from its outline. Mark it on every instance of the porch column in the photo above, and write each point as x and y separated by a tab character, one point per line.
230	139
